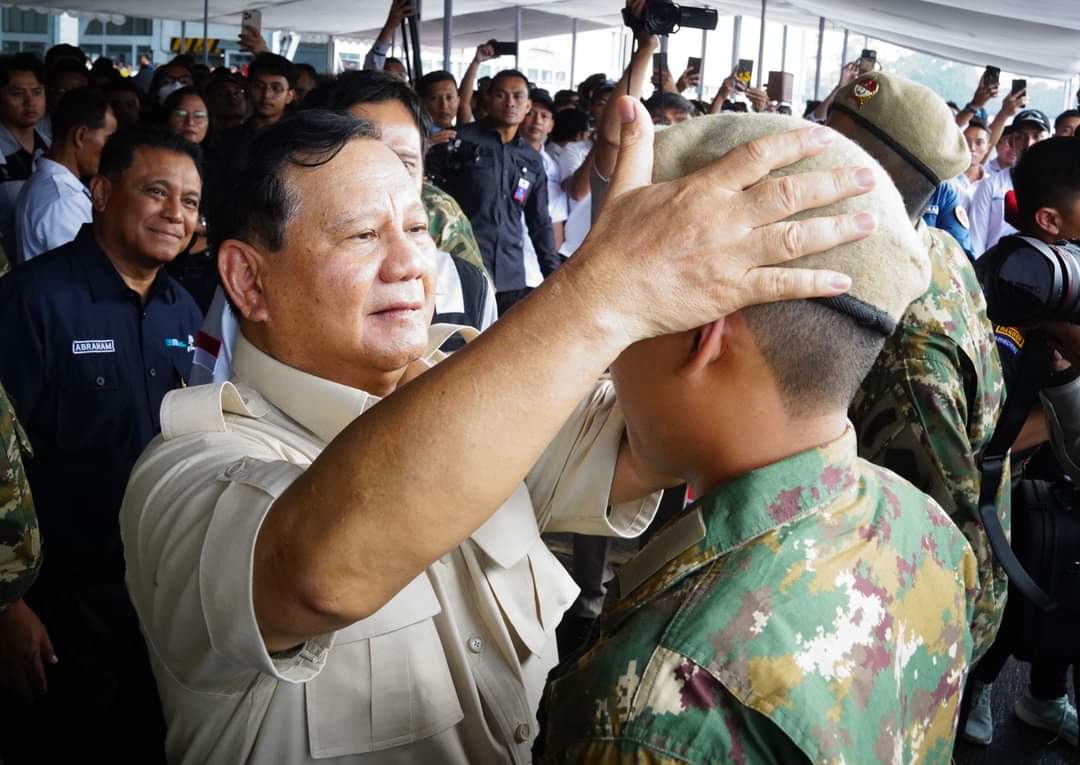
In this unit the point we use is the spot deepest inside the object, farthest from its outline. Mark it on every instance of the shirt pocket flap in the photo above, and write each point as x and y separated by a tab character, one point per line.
386	682
415	603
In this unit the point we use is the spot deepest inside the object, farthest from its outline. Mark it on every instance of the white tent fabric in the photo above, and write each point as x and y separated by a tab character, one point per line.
1037	39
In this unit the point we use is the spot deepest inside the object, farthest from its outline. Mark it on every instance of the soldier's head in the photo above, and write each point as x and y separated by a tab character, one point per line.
907	128
324	252
388	103
693	400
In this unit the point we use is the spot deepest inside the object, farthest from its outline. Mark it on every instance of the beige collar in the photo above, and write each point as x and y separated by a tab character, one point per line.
325	408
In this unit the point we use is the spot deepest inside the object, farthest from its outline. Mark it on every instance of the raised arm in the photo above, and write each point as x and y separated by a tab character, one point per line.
1010	105
847	74
606	148
468	84
376	57
387	498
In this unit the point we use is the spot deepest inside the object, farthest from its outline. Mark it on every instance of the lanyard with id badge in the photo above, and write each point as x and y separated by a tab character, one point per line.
521	192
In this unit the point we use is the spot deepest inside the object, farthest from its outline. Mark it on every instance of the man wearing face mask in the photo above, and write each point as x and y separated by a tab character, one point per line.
171	77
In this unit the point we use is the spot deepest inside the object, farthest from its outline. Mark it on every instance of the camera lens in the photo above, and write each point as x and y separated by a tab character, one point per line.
1028	281
661	18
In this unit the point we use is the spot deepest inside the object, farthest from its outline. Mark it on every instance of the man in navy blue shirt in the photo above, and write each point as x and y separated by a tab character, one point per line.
500	183
94	334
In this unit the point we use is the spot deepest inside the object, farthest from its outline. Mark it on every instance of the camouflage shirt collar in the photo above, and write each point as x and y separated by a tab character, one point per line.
743	509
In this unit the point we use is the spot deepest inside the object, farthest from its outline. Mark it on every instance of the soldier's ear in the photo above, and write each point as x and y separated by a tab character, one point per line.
710	344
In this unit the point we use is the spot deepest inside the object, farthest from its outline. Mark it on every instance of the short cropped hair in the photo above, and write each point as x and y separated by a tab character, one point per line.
431	78
1047	175
20	62
1068	114
119	152
978	123
306	68
507	73
258	202
369	86
66	66
273	65
568	123
62	51
817	355
659	101
80	107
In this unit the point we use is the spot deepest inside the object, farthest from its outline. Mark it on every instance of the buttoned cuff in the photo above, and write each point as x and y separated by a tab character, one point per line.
581	503
227	567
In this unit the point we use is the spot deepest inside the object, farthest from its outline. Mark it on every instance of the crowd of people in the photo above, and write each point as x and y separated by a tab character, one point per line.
299	370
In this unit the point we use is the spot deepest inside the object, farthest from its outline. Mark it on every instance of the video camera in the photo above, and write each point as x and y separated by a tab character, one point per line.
663	17
1027	281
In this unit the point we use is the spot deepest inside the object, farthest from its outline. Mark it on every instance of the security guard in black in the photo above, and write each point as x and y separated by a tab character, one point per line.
87	365
495	182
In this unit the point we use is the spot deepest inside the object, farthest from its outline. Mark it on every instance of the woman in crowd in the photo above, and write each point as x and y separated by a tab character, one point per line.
185	113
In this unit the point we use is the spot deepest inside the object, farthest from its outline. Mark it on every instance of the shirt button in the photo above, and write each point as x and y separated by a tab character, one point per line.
100	381
153	372
476	645
521	733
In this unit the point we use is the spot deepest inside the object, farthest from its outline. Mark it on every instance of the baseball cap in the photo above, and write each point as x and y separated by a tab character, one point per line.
542	97
1035	116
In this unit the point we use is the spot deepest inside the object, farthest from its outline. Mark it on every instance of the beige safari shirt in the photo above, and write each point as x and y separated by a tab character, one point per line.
433	676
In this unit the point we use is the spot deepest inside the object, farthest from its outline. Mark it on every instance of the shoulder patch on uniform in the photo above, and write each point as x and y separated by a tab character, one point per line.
1009	339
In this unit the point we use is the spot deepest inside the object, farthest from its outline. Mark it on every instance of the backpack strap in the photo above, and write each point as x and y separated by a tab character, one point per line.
1021	398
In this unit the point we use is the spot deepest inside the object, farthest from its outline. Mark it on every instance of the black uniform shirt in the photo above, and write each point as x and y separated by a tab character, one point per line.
87	365
494	182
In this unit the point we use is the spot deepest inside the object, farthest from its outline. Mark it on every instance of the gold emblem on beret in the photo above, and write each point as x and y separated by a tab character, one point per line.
864	90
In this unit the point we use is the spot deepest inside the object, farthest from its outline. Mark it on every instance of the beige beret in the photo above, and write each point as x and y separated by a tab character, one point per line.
911	118
889	269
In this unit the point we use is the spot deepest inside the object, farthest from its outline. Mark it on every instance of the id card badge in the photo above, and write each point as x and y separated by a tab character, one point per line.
522	190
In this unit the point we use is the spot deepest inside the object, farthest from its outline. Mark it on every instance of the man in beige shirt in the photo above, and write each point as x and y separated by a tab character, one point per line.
320	578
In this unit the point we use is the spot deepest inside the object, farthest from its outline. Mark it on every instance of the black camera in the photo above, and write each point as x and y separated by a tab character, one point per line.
663	17
1027	281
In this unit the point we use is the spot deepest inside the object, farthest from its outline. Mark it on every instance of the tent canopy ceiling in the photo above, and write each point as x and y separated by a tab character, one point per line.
1044	42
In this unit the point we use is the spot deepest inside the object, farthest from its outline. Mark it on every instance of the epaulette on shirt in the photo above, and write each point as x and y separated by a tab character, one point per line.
202	408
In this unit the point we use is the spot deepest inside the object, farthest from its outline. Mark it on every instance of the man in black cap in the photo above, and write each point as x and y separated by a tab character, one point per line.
987	210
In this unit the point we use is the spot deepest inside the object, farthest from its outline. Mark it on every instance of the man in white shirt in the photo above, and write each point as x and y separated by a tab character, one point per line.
535	129
54	204
337	558
987	210
977	136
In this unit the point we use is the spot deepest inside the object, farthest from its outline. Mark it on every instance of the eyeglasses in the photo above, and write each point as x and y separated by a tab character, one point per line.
183	114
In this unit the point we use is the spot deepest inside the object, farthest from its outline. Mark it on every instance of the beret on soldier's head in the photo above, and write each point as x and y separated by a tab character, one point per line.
914	120
888	269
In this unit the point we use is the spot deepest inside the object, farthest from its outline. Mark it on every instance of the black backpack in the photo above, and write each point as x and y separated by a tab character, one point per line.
1043	561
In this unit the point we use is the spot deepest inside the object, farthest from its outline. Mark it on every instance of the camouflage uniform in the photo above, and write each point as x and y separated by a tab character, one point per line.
814	609
449	227
20	543
929	406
